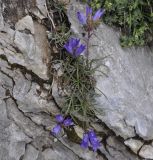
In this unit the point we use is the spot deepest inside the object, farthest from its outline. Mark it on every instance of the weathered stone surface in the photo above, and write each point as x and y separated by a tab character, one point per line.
26	51
29	97
134	144
115	150
29	50
12	139
146	152
28	47
128	85
1	19
25	43
31	153
25	23
59	152
41	4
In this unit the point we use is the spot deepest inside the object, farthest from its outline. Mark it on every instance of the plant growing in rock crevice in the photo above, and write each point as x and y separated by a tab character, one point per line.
78	69
77	80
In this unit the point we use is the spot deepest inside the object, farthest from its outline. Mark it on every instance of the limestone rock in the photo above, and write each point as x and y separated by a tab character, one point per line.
1	21
29	97
134	144
59	152
31	153
41	4
117	150
31	51
28	48
12	139
25	43
25	23
146	152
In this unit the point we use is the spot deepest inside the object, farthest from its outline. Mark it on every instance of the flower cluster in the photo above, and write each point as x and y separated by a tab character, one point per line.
74	47
61	122
89	20
90	139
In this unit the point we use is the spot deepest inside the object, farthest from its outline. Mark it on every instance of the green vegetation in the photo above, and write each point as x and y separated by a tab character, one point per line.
58	24
78	83
134	17
59	36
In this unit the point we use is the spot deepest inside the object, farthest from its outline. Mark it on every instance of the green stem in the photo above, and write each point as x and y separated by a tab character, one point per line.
87	51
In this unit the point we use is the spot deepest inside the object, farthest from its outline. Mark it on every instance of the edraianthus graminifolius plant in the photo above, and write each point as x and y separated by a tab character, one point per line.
75	48
90	21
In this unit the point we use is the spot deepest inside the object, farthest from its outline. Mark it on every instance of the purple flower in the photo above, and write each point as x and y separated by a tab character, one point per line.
98	14
88	11
80	49
56	129
94	140
60	123
68	122
74	48
90	137
59	118
83	19
92	133
85	141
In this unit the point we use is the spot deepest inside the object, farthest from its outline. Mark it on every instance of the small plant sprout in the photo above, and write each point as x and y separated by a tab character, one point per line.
61	122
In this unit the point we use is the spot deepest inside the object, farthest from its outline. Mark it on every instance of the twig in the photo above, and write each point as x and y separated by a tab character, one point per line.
51	19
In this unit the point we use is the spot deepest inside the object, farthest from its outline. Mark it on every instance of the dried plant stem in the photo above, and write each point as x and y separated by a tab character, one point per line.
50	17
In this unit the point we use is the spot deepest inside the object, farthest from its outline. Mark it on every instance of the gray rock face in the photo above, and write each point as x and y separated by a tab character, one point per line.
12	139
114	150
134	144
31	153
127	110
41	4
59	153
30	51
25	23
146	152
